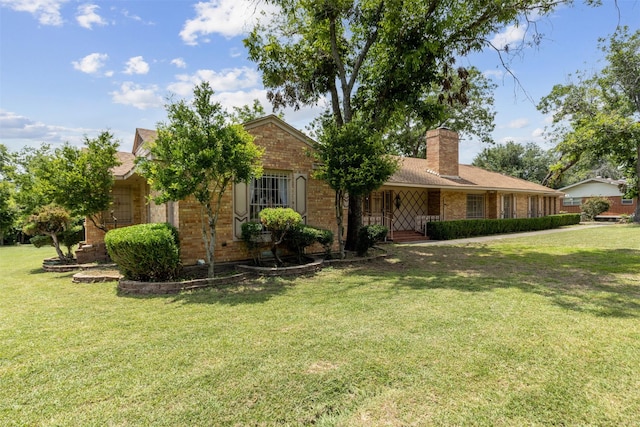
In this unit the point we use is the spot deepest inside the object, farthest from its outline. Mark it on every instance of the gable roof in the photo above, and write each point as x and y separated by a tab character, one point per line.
142	137
126	167
615	182
413	172
277	121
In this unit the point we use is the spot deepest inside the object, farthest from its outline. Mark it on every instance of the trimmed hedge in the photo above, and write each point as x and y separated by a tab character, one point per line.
460	229
145	252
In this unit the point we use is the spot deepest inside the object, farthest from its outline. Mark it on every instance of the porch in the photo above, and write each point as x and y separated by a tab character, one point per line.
405	213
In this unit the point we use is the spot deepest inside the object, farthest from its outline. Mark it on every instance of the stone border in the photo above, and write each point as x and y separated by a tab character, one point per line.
147	288
311	267
52	265
247	271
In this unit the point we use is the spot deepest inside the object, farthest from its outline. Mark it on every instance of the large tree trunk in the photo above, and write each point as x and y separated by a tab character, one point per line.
354	221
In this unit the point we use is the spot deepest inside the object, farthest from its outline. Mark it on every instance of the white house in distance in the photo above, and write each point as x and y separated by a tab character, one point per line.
578	193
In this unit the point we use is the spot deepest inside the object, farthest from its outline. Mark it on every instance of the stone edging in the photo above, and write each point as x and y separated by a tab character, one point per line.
147	288
135	287
50	266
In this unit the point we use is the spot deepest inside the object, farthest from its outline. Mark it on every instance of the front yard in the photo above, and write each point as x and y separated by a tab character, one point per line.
528	331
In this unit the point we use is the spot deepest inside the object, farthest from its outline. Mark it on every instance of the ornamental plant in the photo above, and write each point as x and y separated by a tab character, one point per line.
279	222
145	252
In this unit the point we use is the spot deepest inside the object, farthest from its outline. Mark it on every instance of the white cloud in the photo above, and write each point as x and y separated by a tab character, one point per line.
537	132
512	34
47	11
179	62
497	73
228	18
87	16
91	63
518	123
226	80
137	96
136	65
18	131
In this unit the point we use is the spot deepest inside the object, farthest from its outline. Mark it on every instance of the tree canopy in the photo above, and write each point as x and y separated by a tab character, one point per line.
375	57
599	115
529	162
199	153
470	117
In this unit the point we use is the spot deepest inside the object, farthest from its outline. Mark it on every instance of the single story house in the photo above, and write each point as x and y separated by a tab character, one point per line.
437	188
576	194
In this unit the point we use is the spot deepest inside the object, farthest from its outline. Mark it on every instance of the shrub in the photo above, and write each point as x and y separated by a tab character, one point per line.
252	237
325	238
594	206
145	252
368	236
460	229
299	238
279	222
303	236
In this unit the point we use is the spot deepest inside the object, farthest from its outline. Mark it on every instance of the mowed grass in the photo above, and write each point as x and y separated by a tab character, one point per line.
528	331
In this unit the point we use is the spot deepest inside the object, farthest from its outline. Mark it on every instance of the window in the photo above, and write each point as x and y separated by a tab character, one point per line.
571	201
627	201
475	206
507	206
533	206
121	210
270	191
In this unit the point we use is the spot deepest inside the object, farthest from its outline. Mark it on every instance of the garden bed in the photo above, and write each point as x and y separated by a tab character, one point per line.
237	273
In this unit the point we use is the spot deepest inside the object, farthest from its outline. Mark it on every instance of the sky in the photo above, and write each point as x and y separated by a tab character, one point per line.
70	69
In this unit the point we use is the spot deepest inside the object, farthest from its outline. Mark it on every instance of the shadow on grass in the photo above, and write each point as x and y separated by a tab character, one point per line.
600	282
251	291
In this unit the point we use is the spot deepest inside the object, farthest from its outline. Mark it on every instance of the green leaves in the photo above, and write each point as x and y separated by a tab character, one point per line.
598	116
199	152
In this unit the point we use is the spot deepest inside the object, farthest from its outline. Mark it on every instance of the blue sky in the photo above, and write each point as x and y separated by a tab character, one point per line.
70	68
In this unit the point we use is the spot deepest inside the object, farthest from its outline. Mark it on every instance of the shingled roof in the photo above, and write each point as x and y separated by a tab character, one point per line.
413	172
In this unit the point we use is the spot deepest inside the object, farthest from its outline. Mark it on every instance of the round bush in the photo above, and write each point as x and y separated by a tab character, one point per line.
145	252
368	236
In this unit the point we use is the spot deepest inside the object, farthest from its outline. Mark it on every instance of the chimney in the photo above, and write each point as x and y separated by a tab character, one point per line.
442	152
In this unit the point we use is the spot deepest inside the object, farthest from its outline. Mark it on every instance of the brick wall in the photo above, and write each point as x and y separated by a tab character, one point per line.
442	151
617	208
137	189
284	152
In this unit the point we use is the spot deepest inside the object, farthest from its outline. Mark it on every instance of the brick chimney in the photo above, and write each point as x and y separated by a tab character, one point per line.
442	152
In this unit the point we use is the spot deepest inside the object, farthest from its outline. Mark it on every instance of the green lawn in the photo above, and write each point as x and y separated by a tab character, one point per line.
527	331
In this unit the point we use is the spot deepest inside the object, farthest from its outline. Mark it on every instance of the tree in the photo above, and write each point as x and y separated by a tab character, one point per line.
51	221
529	162
199	153
246	113
374	57
472	116
80	180
599	115
352	162
279	222
8	208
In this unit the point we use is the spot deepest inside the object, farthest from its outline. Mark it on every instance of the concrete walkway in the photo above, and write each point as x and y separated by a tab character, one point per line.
493	237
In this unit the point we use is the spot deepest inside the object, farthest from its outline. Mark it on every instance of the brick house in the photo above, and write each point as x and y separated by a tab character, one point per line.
439	188
434	189
576	194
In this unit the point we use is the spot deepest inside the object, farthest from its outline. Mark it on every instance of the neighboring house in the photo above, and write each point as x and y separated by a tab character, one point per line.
576	194
422	190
